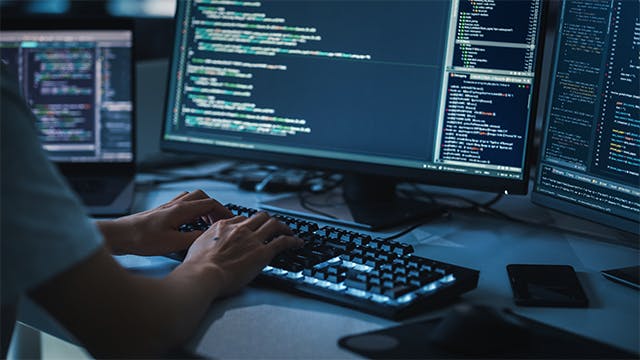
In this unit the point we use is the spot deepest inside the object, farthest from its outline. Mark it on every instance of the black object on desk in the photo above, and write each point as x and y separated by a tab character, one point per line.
477	332
546	285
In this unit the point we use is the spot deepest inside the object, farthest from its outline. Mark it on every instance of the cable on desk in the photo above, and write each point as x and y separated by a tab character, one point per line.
323	189
447	214
487	208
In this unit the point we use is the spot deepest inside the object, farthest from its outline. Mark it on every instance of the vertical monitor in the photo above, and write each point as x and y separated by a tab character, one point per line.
590	155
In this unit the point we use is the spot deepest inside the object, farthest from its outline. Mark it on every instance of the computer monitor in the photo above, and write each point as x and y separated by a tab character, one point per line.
76	76
77	79
440	92
590	152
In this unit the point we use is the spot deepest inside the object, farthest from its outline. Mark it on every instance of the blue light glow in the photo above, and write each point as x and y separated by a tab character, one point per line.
380	298
449	278
310	280
406	298
277	271
429	287
348	264
362	267
338	287
358	293
295	275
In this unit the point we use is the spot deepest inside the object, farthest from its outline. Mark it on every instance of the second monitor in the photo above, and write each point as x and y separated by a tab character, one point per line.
441	92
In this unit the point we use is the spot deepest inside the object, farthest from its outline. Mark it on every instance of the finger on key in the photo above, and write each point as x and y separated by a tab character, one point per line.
257	220
271	229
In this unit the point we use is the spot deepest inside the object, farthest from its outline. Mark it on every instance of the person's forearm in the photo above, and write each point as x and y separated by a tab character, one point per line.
116	239
191	289
169	310
118	314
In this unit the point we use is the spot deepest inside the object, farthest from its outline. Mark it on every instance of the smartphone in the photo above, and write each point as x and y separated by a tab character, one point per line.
546	285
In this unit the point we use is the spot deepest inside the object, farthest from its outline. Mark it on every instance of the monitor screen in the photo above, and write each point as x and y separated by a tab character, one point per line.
434	91
78	83
590	158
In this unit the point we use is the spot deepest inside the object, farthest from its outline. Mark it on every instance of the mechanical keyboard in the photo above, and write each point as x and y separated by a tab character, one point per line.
373	275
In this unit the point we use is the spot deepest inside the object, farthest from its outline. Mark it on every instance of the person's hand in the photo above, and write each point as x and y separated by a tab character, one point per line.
155	231
239	248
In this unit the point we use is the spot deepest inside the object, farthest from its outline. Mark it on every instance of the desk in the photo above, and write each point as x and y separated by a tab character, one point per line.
264	323
261	322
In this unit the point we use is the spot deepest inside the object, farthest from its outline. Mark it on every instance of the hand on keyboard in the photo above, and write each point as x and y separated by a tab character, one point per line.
241	247
158	231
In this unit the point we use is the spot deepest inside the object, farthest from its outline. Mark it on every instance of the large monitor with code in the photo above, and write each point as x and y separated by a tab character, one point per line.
590	159
434	91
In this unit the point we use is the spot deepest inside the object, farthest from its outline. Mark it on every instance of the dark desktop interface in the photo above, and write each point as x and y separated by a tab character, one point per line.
436	85
78	85
591	147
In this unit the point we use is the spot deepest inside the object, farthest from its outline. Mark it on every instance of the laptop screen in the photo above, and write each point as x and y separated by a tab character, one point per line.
78	84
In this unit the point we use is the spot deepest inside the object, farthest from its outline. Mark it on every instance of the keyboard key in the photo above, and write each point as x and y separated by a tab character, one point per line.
386	275
427	278
389	284
400	270
308	272
356	275
335	278
361	285
340	245
398	291
361	239
375	244
373	262
385	247
403	249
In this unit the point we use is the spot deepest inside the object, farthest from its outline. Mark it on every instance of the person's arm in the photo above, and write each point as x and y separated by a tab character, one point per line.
115	313
155	231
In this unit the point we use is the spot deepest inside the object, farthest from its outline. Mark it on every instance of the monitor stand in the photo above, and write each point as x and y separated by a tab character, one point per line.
364	201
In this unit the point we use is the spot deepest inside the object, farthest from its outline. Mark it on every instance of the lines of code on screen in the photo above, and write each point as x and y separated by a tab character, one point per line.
359	80
78	85
593	131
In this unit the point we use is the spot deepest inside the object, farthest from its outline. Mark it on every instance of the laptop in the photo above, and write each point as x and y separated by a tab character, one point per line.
77	76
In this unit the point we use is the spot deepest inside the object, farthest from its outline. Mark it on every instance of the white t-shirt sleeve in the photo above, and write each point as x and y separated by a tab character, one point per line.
43	226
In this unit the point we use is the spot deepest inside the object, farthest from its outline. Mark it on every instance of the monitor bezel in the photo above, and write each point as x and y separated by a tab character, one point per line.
550	202
426	176
63	23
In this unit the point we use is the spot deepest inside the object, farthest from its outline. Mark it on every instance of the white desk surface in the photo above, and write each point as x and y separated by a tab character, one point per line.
264	323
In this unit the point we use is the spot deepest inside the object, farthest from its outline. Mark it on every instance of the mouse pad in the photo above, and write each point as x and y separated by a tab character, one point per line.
411	341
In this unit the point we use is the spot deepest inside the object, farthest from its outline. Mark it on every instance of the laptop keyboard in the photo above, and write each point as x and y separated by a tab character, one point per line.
374	275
